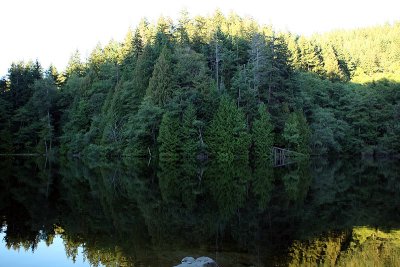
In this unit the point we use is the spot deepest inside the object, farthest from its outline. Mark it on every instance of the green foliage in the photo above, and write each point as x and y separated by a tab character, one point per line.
227	184
5	126
297	133
142	130
262	134
246	95
328	133
310	56
345	82
190	71
161	82
21	77
313	210
190	134
263	183
35	119
75	65
168	138
227	136
332	67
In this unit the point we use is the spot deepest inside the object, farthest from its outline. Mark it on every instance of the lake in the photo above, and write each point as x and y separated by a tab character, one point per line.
137	213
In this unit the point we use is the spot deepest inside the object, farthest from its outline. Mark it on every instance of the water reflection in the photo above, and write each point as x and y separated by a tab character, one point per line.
130	214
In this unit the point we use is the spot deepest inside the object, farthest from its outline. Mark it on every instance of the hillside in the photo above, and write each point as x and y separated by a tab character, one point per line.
220	87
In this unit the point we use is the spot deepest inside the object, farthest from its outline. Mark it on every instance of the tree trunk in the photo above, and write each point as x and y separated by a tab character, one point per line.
201	137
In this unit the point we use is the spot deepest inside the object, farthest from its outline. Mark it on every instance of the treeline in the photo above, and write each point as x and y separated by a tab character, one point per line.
219	86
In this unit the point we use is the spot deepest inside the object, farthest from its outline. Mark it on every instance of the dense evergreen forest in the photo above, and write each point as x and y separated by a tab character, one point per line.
220	87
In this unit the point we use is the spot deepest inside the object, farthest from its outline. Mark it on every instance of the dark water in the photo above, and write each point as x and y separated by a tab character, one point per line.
71	213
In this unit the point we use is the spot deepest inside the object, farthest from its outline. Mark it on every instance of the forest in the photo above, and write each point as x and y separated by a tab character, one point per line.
221	87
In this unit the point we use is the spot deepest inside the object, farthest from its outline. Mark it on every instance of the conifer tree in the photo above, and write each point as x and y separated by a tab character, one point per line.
168	138
140	80
75	65
161	82
188	134
297	133
331	64
246	95
291	132
262	135
183	28
142	129
310	55
115	100
305	133
227	136
5	126
260	63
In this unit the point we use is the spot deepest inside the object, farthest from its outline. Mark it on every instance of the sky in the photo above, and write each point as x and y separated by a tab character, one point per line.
43	256
51	30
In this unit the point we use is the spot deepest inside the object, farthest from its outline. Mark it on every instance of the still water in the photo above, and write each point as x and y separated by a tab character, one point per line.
318	212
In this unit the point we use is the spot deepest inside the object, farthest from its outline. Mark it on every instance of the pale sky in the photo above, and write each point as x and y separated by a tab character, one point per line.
50	30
